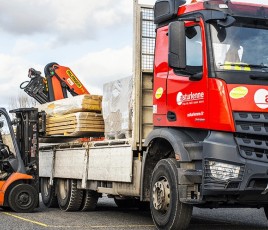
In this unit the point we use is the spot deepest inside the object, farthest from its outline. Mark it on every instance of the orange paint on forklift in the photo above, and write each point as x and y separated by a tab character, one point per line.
4	185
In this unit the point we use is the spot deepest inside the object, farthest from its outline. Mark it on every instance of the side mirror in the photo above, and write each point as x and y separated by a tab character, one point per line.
177	45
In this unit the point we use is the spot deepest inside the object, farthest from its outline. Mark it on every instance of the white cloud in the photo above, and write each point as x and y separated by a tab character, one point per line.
94	69
14	71
88	36
24	46
66	20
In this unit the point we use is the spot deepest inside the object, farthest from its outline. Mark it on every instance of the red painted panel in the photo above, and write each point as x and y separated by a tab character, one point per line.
189	99
160	71
253	98
220	111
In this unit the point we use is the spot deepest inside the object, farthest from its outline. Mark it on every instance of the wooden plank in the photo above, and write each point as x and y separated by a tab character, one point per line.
51	121
88	124
66	123
87	133
74	128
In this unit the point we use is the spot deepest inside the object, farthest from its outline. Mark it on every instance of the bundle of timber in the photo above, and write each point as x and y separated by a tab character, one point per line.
86	103
76	124
78	116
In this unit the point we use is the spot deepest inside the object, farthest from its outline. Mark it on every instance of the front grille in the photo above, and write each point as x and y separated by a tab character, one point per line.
251	123
251	135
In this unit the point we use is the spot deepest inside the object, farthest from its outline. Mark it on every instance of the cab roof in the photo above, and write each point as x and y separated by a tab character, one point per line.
166	10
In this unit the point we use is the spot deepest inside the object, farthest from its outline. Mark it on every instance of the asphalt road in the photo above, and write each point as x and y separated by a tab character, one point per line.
108	216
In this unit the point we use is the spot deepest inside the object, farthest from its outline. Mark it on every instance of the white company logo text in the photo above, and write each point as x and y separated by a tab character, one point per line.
190	98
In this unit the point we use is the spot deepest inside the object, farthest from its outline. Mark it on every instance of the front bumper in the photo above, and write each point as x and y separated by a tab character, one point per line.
249	186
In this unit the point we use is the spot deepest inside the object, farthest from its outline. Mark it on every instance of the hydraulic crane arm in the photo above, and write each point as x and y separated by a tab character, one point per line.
57	82
61	79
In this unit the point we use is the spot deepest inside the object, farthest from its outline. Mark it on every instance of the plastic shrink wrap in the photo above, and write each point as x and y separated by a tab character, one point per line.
117	108
86	103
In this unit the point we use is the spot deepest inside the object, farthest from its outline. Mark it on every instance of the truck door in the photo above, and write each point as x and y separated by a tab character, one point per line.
187	92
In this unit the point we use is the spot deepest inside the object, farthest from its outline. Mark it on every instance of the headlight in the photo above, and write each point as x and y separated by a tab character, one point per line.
222	171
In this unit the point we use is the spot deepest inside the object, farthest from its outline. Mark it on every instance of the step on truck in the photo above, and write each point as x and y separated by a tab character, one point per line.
199	119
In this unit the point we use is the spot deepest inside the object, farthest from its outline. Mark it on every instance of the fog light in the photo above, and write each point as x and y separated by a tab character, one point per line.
223	171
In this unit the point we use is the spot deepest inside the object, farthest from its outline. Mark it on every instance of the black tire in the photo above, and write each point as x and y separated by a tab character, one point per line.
48	194
126	203
166	209
265	208
69	197
23	198
90	200
5	208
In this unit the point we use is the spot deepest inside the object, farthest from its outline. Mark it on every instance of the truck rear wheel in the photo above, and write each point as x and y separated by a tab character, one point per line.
69	197
166	209
90	200
23	198
48	193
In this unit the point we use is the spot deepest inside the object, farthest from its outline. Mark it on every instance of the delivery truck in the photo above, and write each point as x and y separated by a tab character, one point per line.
193	130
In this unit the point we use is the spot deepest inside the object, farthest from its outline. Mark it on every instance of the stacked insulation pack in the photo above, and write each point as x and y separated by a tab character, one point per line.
117	108
76	116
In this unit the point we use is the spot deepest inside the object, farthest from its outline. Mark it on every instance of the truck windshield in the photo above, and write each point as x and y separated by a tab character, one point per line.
242	47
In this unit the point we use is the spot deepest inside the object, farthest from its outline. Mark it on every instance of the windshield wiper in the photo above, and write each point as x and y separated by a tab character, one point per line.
264	67
259	77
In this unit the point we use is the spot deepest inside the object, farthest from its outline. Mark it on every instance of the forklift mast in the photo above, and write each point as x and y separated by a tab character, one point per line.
28	129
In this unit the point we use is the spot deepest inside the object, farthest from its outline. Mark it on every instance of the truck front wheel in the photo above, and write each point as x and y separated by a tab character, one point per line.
166	209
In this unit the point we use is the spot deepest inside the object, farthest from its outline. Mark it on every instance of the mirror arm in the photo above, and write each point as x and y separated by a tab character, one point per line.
196	76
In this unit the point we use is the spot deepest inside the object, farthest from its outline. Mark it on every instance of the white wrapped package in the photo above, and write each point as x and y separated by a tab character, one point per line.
117	108
81	103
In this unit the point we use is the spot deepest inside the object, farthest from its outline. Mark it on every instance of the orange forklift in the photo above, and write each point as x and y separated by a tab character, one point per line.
19	181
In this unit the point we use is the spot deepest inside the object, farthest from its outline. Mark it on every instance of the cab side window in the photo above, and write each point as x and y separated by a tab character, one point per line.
194	57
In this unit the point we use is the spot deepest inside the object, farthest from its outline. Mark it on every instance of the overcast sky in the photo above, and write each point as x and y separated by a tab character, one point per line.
93	38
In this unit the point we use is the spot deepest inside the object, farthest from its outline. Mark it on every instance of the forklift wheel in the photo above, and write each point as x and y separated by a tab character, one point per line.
23	198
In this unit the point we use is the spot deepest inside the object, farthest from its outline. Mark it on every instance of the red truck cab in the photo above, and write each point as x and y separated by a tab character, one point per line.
210	106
